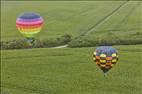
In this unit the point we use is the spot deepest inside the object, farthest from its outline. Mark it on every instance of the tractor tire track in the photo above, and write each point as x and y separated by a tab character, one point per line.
128	14
130	29
101	21
85	11
26	89
96	25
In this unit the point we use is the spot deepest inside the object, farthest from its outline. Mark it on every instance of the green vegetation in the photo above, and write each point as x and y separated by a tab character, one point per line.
89	23
60	17
122	26
69	0
69	71
72	70
22	44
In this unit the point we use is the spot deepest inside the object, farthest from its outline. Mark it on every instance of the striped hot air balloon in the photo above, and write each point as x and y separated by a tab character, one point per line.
105	57
29	24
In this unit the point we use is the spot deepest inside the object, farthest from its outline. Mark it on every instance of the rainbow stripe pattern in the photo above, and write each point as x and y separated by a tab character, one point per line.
29	24
105	57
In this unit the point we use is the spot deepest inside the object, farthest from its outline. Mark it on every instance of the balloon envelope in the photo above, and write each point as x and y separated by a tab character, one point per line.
105	57
29	24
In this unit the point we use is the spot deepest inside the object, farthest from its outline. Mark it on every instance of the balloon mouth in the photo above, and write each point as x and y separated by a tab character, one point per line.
105	70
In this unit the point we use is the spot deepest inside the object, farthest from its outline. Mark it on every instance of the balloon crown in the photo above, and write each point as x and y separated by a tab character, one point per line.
108	50
29	15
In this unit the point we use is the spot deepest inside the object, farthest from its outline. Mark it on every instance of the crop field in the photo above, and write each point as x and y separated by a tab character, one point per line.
60	17
69	71
122	24
76	18
72	70
68	0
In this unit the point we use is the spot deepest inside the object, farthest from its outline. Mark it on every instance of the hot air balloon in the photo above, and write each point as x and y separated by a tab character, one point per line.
29	24
105	57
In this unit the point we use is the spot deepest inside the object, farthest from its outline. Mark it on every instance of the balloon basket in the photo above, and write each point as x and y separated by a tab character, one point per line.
30	45
105	75
30	42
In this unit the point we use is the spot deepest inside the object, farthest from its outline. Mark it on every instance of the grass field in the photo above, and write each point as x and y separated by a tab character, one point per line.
123	24
69	0
60	17
75	18
69	71
72	70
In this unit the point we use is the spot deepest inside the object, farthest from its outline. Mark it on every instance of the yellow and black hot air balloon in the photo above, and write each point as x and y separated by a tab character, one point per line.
105	57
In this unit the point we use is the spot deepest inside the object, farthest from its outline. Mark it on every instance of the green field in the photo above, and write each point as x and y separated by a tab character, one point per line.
60	17
69	0
72	70
69	71
123	24
77	18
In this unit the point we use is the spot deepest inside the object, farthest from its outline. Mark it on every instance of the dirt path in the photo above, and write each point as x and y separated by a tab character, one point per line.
62	46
